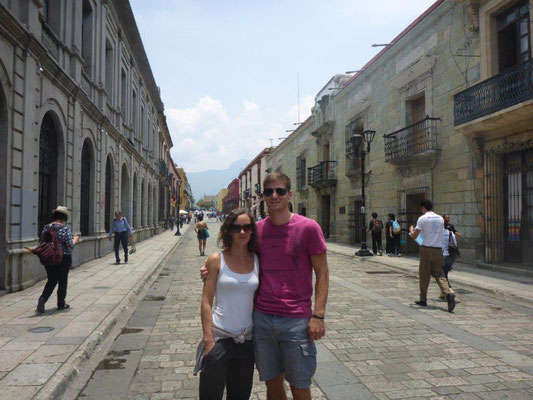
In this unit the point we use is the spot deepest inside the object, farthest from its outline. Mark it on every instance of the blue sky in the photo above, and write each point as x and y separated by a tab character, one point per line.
228	70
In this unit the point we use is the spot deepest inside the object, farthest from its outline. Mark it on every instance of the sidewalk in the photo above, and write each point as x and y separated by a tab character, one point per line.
42	353
498	284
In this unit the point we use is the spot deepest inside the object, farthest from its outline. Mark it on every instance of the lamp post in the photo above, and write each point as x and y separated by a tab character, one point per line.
178	233
356	139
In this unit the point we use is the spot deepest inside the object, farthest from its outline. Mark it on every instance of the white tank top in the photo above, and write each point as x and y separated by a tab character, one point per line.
235	297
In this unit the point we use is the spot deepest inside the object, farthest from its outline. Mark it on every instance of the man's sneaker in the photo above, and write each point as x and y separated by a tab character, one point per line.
40	305
117	263
421	303
451	302
380	253
63	307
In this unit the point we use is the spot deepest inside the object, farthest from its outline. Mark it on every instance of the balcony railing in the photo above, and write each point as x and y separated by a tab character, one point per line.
504	90
413	139
323	174
257	188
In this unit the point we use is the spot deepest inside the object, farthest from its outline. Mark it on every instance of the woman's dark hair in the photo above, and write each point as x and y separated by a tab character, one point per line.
374	215
391	216
59	215
225	239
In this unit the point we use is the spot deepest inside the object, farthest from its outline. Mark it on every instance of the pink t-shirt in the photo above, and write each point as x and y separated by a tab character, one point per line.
286	274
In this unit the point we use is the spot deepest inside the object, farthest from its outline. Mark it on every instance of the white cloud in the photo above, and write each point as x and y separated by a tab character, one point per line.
206	136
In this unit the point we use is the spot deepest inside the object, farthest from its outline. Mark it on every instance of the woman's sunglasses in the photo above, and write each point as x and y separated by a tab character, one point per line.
280	191
247	228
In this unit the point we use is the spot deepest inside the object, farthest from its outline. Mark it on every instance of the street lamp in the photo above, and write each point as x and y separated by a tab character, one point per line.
368	137
178	233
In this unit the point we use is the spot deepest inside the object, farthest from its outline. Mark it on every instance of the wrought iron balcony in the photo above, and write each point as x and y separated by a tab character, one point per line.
414	139
246	193
504	90
323	174
258	188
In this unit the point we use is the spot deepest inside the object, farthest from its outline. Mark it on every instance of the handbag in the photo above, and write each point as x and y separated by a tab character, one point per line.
206	233
453	250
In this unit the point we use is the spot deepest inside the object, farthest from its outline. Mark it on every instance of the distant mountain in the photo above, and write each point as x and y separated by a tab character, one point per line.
211	181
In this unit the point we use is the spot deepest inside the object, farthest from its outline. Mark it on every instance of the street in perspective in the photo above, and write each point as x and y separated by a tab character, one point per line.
266	200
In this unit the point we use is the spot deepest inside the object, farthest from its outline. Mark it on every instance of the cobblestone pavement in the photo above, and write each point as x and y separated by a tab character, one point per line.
378	344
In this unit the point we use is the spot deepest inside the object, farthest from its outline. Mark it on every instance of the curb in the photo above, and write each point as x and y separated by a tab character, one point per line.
506	295
58	383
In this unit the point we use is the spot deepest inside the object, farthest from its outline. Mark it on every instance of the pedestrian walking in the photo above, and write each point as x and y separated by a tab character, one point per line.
182	219
376	227
393	231
291	248
225	356
449	257
171	222
431	263
58	274
202	233
122	230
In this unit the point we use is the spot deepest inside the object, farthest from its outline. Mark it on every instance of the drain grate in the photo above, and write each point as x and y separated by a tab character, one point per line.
150	297
41	329
381	272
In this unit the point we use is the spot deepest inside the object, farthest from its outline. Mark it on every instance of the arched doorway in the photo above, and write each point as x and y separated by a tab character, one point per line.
86	188
48	157
125	192
135	220
109	192
143	204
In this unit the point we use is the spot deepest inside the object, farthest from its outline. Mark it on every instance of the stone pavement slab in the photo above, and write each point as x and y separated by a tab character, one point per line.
40	363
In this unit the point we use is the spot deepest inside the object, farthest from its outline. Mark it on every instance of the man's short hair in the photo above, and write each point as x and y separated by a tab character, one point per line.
427	204
374	215
277	177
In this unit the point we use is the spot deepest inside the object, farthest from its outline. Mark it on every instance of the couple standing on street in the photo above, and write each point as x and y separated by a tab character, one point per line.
276	326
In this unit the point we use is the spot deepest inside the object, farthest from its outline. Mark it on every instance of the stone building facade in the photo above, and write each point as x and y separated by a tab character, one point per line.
251	184
231	200
81	124
450	102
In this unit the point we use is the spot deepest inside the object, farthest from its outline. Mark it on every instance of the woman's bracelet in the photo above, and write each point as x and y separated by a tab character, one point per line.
317	316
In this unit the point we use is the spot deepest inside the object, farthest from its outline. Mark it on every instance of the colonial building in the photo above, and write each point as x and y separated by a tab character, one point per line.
220	198
251	184
81	124
231	201
449	101
186	200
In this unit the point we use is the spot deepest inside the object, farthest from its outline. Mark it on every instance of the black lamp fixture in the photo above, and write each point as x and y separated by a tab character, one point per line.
356	139
178	183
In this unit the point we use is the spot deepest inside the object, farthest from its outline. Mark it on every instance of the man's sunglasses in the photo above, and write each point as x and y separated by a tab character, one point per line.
280	191
247	228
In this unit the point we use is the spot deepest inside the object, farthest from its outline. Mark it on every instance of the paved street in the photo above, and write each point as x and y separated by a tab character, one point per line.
378	345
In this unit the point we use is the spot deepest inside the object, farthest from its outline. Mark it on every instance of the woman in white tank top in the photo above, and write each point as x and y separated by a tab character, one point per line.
225	357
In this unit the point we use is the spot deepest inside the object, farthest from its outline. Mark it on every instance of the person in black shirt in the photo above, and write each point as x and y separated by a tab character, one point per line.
376	226
449	226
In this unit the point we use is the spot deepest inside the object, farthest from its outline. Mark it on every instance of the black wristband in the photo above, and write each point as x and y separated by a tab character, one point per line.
317	316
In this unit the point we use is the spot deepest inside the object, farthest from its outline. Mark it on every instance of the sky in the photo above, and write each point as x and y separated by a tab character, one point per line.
230	71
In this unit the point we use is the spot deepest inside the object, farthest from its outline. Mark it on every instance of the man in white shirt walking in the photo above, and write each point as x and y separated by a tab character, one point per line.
431	225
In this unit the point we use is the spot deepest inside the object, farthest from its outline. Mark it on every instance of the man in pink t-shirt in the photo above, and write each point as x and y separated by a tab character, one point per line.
291	247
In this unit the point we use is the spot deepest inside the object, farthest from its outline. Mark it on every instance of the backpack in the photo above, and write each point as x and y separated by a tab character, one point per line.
49	251
376	226
396	228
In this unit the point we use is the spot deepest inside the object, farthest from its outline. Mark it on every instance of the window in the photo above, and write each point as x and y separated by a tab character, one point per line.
109	71
301	170
416	112
48	157
86	188
123	91
87	37
513	36
352	159
125	192
140	132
